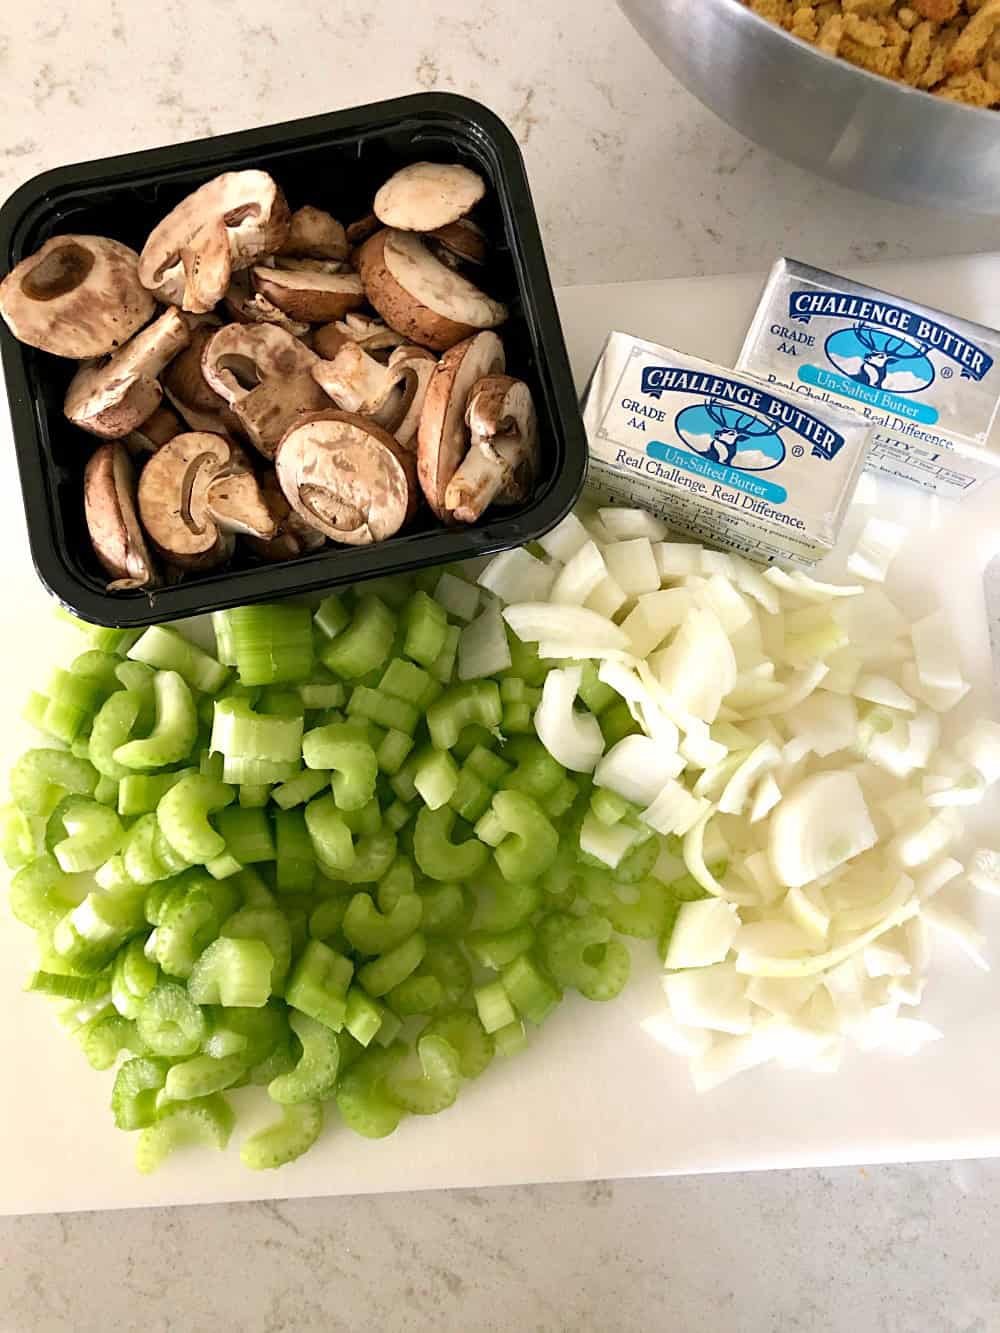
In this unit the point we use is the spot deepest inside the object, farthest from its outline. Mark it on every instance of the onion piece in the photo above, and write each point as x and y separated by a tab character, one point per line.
483	649
809	589
878	545
637	769
565	539
573	738
654	617
698	668
761	966
516	576
984	871
626	523
608	842
736	792
766	797
709	997
579	576
703	933
675	811
818	826
980	746
881	690
538	621
632	565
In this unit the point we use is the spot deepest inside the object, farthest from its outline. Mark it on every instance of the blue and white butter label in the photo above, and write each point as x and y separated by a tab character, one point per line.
717	454
928	382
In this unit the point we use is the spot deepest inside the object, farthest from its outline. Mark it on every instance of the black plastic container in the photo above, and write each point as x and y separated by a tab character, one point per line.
337	162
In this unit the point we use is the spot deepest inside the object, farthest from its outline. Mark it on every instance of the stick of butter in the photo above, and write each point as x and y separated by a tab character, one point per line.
717	455
928	383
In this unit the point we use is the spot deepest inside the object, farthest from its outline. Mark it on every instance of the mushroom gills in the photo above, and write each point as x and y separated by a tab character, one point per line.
347	477
115	532
503	458
112	396
374	335
77	296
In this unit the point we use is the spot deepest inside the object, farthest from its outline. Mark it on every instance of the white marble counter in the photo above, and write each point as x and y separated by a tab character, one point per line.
632	179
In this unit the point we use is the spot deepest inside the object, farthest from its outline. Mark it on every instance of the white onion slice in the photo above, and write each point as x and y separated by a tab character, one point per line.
818	826
537	621
483	649
572	738
637	768
516	576
579	576
703	933
878	545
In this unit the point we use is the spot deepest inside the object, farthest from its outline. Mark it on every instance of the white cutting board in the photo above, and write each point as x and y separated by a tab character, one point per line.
594	1096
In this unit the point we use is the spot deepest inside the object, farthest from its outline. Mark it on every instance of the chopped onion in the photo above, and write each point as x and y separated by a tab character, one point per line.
736	793
928	840
766	797
516	576
537	621
730	606
783	996
948	914
812	965
984	871
565	539
607	599
674	811
824	723
633	566
981	747
727	1057
703	933
878	545
937	663
608	842
654	617
942	698
881	690
626	523
572	738
797	687
932	878
698	668
809	589
637	769
709	997
459	597
818	826
483	649
675	560
579	576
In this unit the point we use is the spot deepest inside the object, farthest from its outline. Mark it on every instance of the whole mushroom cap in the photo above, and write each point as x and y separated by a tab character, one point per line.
109	507
426	195
77	296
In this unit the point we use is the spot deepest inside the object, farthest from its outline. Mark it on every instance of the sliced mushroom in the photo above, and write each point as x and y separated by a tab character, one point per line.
347	477
441	438
189	392
307	295
109	506
227	224
154	432
77	296
264	375
426	195
249	307
374	335
314	234
288	265
112	396
194	494
461	242
293	537
391	395
503	457
358	232
419	296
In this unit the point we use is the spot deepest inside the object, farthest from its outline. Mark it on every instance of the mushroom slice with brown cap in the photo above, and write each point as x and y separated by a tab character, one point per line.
358	232
314	234
461	242
113	395
293	537
374	335
503	458
109	506
194	494
154	432
77	296
347	477
420	297
426	195
190	393
264	375
227	224
442	442
316	297
248	307
391	395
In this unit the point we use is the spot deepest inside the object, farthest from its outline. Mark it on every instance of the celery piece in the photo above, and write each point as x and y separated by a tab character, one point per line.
256	1034
361	1095
397	816
301	788
440	858
436	778
331	616
517	720
256	747
280	701
296	860
247	834
133	976
94	833
174	733
315	1076
467	1037
616	723
271	643
443	666
371	932
112	727
166	650
398	882
291	1136
594	693
535	773
494	1007
447	910
637	909
471	797
435	1088
98	667
103	637
488	766
404	680
608	806
472	738
170	1022
581	952
254	795
104	1038
72	703
235	973
41	777
383	973
17	838
495	949
183	817
530	992
446	963
269	926
67	987
318	984
322	694
364	1016
366	643
201	1075
374	853
426	629
133	1098
223	638
510	1039
34	708
417	994
402	782
352	762
474	701
504	904
529	843
557	802
393	751
203	1120
327	918
331	838
383	709
187	927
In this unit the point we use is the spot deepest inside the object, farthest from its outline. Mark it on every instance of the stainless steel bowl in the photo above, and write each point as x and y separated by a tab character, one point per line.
823	113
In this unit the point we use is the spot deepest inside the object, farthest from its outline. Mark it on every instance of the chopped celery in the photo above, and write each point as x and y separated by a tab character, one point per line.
315	1075
270	643
365	644
203	1120
166	650
295	1133
426	630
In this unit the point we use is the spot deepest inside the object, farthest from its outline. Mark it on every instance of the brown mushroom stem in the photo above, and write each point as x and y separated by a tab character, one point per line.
194	494
109	506
114	395
503	457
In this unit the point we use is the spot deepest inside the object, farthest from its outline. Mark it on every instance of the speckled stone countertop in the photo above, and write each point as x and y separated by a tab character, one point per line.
632	179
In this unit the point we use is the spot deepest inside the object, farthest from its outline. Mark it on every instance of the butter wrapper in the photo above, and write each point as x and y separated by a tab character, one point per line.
717	455
926	382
